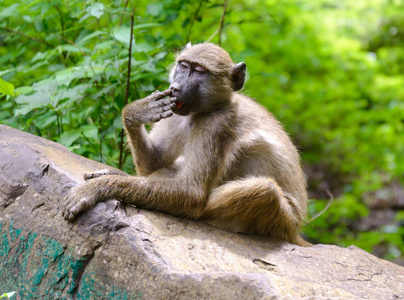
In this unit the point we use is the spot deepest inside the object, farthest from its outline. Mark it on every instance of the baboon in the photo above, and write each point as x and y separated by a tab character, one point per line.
212	155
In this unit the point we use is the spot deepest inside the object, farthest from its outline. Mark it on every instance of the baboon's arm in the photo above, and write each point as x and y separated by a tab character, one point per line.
147	156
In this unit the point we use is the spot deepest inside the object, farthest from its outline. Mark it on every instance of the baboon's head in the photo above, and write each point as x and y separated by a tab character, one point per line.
203	77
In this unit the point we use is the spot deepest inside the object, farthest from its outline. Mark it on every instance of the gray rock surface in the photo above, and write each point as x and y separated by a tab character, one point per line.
116	252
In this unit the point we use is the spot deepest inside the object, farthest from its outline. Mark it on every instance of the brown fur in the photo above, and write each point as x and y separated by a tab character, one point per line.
210	56
232	166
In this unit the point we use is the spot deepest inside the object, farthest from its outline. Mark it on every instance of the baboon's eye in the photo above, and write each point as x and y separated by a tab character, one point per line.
200	70
183	65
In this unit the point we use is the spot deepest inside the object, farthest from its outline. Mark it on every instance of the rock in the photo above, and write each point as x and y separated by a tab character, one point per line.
116	252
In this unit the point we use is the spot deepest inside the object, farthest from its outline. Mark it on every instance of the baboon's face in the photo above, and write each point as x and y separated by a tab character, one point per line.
190	85
204	78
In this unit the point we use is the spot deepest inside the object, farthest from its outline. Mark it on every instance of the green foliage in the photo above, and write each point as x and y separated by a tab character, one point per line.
6	88
332	72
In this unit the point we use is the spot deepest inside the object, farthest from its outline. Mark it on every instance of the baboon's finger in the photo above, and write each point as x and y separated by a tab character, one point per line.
159	95
167	101
169	107
166	114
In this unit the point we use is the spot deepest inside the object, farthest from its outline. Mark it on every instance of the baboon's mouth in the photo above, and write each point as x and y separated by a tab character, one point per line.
179	104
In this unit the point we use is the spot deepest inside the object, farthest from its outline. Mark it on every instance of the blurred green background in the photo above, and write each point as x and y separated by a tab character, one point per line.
330	71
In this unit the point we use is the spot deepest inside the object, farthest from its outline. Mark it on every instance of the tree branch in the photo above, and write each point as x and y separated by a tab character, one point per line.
126	5
222	22
28	37
132	17
325	208
220	29
73	44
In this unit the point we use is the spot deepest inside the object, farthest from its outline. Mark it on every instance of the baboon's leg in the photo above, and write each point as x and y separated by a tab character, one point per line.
255	205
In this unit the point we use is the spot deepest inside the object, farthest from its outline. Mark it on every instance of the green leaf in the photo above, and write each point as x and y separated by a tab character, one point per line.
160	55
69	137
90	131
155	9
122	35
7	71
104	45
82	41
6	88
43	96
23	90
47	86
71	94
186	22
145	25
39	56
10	11
143	47
95	10
37	100
118	122
66	76
71	48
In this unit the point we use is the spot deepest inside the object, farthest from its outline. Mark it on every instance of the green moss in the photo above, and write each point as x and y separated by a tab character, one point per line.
40	273
5	245
90	289
14	233
39	267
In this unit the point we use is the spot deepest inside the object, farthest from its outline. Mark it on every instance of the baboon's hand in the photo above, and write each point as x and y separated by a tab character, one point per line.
77	201
150	109
102	172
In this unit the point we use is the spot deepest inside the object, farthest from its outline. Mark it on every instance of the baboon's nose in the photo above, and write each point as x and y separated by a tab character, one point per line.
175	88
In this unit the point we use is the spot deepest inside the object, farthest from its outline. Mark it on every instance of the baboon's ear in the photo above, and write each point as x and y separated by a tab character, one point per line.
188	45
239	72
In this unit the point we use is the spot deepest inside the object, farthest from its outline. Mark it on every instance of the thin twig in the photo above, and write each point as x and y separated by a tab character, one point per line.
130	56
58	121
101	138
27	36
222	22
325	208
212	36
72	43
132	18
126	5
220	29
92	146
